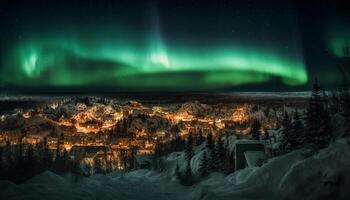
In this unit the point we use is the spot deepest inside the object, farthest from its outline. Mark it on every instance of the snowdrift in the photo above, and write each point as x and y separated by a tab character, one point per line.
296	175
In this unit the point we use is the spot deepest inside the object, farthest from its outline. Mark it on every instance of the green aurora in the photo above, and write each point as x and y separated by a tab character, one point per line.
172	45
338	38
67	62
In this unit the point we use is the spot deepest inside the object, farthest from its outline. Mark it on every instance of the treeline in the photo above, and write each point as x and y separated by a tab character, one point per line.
313	128
164	148
21	162
216	157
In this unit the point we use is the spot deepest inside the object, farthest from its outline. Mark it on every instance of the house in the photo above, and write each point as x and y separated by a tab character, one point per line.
248	153
254	158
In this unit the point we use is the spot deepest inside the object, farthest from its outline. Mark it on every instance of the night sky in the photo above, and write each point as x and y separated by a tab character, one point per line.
177	45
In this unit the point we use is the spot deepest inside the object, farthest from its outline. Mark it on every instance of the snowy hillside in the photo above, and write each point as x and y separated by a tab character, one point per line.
325	175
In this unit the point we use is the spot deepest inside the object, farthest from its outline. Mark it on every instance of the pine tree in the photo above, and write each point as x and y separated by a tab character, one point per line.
1	160
17	173
229	162
58	156
286	133
203	168
2	166
325	136
179	143
30	163
213	161
318	133
210	146
188	178
46	155
344	92
345	107
109	166
158	152
9	159
219	154
189	147
178	173
210	142
175	130
255	130
200	138
296	132
87	170
77	170
98	169
65	161
131	157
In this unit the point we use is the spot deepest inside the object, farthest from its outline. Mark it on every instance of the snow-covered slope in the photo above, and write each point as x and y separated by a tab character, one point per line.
296	175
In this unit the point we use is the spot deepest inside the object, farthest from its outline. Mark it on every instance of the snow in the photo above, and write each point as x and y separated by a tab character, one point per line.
323	176
254	157
338	125
295	175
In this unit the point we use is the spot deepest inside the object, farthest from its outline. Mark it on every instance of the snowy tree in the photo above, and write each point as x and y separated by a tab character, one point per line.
213	161
286	133
229	162
204	167
1	162
178	144
255	129
47	155
158	151
220	152
296	133
30	158
210	145
189	147
98	168
318	132
77	170
200	138
177	172
217	155
344	94
185	178
292	132
188	178
44	155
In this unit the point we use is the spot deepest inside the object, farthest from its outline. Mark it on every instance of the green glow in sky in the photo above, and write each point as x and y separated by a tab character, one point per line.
338	38
120	63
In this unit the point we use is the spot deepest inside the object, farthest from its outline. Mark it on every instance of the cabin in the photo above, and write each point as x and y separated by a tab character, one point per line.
254	158
248	153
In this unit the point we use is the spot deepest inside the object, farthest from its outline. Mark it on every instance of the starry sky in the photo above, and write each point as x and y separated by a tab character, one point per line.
178	45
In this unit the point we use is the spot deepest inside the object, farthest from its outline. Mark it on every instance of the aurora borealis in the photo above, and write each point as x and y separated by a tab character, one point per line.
155	45
61	65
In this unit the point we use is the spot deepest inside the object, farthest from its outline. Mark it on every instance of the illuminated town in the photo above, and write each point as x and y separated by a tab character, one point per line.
174	100
112	129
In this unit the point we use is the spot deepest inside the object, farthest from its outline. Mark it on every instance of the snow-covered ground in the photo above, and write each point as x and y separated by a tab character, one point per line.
296	175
